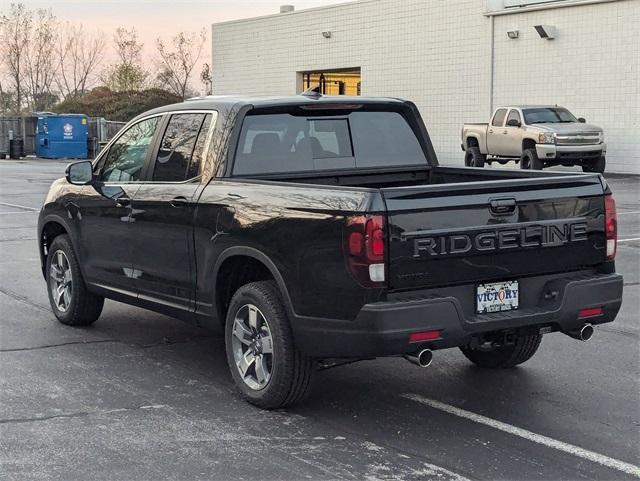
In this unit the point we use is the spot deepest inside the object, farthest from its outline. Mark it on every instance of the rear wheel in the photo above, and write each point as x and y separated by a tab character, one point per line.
70	300
474	158
504	356
266	366
530	161
596	166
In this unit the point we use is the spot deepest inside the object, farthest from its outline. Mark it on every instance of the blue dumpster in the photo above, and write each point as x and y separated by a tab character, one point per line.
62	136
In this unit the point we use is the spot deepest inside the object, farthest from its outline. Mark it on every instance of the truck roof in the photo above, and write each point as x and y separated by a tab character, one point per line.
214	102
530	106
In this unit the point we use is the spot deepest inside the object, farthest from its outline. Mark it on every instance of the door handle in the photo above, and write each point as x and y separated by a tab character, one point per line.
122	201
179	202
491	131
505	132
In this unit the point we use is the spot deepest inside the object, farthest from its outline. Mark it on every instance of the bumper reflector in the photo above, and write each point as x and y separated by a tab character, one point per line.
424	336
591	312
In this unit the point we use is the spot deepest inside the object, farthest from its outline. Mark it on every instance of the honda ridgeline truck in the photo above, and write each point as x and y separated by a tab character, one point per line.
314	231
536	136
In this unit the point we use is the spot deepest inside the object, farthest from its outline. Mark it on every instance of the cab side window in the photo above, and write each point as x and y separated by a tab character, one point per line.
498	118
181	148
514	115
126	157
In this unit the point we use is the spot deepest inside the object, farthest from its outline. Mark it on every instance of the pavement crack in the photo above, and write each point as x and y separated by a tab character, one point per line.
23	299
48	346
81	414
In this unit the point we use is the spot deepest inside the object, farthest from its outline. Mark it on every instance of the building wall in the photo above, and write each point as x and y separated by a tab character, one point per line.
438	53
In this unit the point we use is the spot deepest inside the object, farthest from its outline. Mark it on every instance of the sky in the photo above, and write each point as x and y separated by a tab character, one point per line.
159	18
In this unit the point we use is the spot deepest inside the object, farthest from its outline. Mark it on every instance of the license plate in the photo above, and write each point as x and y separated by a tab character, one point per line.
497	297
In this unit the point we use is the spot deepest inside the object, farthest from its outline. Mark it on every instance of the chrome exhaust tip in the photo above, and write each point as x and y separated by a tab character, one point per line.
583	334
421	358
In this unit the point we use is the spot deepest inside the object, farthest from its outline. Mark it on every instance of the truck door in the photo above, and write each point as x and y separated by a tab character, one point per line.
163	210
512	139
495	136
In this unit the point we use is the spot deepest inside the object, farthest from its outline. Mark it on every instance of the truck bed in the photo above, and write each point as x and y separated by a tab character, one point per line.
449	225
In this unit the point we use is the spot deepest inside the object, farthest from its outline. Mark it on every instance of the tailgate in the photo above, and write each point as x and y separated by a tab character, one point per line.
493	230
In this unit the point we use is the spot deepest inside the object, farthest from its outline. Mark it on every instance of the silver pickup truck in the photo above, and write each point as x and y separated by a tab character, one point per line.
536	136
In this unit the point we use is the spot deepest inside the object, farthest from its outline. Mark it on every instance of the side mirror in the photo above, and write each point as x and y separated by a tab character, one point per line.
582	120
513	123
80	173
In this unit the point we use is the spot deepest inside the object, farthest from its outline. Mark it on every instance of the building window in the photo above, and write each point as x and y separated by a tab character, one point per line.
333	82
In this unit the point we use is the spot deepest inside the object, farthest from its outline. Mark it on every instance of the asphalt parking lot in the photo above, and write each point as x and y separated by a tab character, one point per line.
146	397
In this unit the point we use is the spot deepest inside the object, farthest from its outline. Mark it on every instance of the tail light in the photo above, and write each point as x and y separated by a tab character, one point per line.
365	247
610	226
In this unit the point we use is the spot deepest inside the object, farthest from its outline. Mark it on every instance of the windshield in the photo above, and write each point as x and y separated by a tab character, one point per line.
548	115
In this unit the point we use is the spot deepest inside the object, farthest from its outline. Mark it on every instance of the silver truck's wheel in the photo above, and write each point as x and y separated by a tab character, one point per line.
474	158
530	161
596	166
266	366
70	300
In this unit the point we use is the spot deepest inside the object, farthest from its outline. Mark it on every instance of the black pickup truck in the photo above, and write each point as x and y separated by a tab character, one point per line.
317	230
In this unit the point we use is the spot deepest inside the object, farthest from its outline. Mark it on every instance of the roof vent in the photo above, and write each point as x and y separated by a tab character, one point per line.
287	8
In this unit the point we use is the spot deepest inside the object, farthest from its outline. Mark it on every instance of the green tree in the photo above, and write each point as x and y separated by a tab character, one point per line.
128	74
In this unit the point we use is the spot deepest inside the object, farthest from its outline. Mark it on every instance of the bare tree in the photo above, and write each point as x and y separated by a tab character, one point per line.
128	74
15	29
40	60
78	55
205	78
178	58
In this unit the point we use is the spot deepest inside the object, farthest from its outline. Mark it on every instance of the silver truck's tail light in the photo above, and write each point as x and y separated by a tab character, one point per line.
611	226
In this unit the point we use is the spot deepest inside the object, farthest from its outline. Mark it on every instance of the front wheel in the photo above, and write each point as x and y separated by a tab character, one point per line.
530	161
597	166
504	356
266	366
70	300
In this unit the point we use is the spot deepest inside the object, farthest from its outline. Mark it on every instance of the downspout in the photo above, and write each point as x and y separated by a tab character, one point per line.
492	69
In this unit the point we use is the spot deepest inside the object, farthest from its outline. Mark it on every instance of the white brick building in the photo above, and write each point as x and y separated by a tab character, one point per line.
454	59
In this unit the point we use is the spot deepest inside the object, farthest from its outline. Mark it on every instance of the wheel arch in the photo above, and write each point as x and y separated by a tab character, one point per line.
528	143
51	227
241	265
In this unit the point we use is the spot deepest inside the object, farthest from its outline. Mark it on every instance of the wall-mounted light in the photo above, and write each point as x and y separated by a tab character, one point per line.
513	34
326	34
548	32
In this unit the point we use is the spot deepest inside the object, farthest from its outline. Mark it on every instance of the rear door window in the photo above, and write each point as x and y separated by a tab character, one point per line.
181	148
498	118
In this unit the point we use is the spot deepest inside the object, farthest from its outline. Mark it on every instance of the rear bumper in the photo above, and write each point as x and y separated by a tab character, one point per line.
383	328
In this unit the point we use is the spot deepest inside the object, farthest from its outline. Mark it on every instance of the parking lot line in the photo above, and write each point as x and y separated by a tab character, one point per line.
530	436
628	240
627	213
19	206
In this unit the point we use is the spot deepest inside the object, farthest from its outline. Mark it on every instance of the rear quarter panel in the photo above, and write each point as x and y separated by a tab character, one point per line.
299	228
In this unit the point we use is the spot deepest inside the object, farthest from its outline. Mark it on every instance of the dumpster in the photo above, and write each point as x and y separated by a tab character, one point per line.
62	136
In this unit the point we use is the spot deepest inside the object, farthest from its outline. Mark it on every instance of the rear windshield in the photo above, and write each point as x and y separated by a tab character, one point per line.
278	143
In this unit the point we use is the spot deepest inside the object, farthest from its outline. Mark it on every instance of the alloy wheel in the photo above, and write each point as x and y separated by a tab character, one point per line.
61	281
252	346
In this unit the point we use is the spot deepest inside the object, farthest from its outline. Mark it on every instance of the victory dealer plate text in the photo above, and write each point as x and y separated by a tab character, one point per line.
497	297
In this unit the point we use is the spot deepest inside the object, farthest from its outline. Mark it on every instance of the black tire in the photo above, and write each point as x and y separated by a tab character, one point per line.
84	308
473	157
596	166
507	356
530	161
291	372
